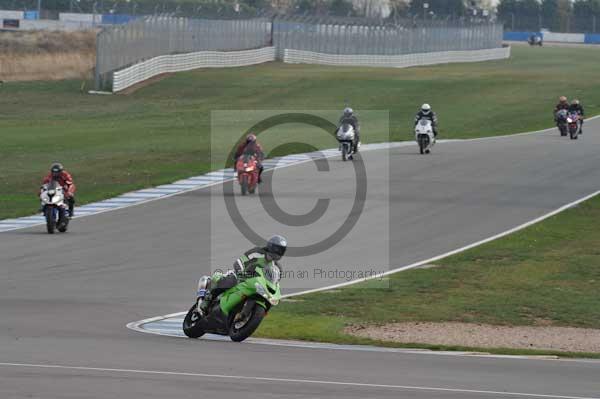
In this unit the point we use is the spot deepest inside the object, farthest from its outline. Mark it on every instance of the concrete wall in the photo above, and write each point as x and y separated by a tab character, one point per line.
184	62
395	61
218	59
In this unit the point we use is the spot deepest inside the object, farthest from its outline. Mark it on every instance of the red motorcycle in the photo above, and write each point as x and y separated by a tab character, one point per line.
247	171
574	125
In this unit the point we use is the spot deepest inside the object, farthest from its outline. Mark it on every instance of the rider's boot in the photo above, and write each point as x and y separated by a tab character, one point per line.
71	202
204	302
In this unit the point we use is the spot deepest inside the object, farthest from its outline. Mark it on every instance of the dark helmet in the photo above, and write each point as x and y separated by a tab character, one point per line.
276	246
56	169
251	138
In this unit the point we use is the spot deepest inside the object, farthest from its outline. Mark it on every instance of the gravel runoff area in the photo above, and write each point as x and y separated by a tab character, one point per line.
568	339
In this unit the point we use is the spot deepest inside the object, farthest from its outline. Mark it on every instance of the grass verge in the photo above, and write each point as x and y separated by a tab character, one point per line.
161	133
547	274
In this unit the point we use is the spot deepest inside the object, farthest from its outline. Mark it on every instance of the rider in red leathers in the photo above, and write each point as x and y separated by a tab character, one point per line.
251	146
64	178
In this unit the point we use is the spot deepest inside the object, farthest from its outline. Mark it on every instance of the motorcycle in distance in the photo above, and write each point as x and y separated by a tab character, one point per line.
424	136
535	40
574	125
345	136
237	312
247	171
561	121
54	207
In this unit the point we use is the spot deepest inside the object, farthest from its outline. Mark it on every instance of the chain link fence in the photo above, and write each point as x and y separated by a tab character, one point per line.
397	39
122	46
568	24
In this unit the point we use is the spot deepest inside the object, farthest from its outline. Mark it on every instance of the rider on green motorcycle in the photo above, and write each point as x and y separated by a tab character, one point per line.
244	267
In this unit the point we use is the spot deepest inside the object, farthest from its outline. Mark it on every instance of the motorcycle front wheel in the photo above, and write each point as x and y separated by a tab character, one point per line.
50	221
244	185
422	144
573	134
63	221
239	330
562	130
191	323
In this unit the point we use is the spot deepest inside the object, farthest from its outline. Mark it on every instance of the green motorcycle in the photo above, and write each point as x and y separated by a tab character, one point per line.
238	311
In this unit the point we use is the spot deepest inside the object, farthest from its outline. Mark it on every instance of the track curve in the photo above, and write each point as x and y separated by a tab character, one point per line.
65	300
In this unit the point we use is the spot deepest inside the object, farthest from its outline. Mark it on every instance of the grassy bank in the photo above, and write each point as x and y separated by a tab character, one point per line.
113	144
545	275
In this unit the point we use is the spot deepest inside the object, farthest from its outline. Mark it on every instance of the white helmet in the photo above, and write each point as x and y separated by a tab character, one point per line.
426	108
348	111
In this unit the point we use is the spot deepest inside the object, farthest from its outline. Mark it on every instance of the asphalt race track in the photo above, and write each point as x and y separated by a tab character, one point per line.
65	299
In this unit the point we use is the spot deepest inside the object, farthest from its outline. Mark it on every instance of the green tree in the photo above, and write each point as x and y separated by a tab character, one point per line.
340	8
524	14
587	15
306	6
507	7
455	8
399	9
586	7
565	11
550	17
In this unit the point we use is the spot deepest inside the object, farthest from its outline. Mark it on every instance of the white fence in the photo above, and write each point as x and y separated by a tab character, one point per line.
79	17
184	62
9	14
395	61
564	37
50	24
220	59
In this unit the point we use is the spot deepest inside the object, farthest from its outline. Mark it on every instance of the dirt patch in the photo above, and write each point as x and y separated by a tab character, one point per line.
27	67
36	55
47	42
566	339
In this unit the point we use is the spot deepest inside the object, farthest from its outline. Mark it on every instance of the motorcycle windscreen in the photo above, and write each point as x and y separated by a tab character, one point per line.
273	273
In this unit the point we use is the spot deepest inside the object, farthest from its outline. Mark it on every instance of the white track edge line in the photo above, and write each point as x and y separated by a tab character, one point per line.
390	145
385	145
136	325
293	380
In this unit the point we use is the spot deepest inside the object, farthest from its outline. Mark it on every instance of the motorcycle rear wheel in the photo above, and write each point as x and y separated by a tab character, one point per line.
191	323
238	333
